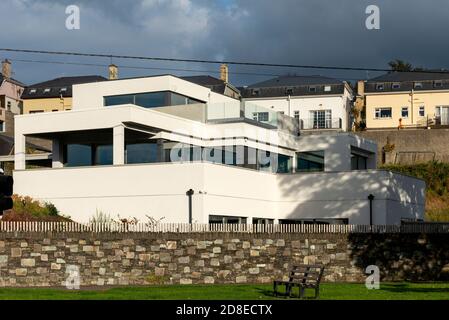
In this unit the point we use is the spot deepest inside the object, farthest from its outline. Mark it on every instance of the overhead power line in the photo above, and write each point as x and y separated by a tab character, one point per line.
229	62
153	68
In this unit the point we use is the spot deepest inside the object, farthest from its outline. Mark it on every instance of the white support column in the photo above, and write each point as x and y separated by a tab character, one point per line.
118	145
294	162
19	151
56	154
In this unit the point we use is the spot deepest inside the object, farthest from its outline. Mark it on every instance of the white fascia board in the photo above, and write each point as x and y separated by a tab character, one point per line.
109	117
240	141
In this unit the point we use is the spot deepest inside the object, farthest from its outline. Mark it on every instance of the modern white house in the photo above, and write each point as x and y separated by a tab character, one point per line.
166	147
318	103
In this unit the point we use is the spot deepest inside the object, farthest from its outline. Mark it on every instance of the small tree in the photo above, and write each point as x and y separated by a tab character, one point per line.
400	65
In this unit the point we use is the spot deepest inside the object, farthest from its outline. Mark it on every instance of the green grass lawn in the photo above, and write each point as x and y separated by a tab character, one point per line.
338	291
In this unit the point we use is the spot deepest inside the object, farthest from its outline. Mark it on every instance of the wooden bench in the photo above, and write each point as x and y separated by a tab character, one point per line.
302	276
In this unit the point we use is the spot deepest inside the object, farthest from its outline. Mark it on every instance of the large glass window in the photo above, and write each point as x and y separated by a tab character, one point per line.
284	164
77	155
358	162
311	161
141	153
150	99
263	221
103	154
116	100
315	221
226	219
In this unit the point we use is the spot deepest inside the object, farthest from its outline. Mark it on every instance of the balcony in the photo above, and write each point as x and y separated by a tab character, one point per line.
321	124
251	113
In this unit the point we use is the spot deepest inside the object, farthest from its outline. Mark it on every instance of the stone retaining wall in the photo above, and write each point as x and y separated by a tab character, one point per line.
37	259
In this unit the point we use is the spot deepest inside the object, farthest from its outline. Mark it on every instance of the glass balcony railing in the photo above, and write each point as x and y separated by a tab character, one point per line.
238	110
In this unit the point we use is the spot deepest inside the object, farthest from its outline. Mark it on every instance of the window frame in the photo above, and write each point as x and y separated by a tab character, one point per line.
423	109
439	82
417	85
402	112
380	86
379	109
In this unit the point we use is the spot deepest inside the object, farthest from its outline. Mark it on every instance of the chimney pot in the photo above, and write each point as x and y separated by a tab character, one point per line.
224	72
113	72
6	68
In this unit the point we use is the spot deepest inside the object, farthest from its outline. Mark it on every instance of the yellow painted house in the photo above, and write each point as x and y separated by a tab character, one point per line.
406	100
53	95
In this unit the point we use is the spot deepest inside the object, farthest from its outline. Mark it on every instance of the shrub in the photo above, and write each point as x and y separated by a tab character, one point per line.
436	176
27	209
101	217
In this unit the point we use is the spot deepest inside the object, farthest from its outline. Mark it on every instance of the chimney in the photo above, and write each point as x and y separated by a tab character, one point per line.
224	72
113	72
6	68
361	87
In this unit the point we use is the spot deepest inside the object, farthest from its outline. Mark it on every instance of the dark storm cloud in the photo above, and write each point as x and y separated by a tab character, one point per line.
318	32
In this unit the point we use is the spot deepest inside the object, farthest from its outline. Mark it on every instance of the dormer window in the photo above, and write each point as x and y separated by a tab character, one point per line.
255	92
63	90
396	86
46	90
312	89
327	88
380	86
32	91
289	91
438	84
418	85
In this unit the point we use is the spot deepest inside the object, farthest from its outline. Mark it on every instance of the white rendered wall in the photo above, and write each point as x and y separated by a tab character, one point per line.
90	95
158	190
338	104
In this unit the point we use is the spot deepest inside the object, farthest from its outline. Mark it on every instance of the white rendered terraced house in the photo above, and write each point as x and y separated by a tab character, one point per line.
145	146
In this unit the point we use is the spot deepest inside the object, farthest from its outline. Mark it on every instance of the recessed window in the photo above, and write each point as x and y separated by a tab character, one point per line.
36	111
422	111
380	86
404	112
311	161
382	113
396	86
438	84
358	162
418	85
150	99
327	88
262	221
46	90
312	89
226	219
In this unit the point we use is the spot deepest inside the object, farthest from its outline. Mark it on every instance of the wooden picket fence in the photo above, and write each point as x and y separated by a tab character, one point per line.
31	226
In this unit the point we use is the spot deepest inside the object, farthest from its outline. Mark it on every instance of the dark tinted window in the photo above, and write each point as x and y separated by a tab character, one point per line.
310	161
141	153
